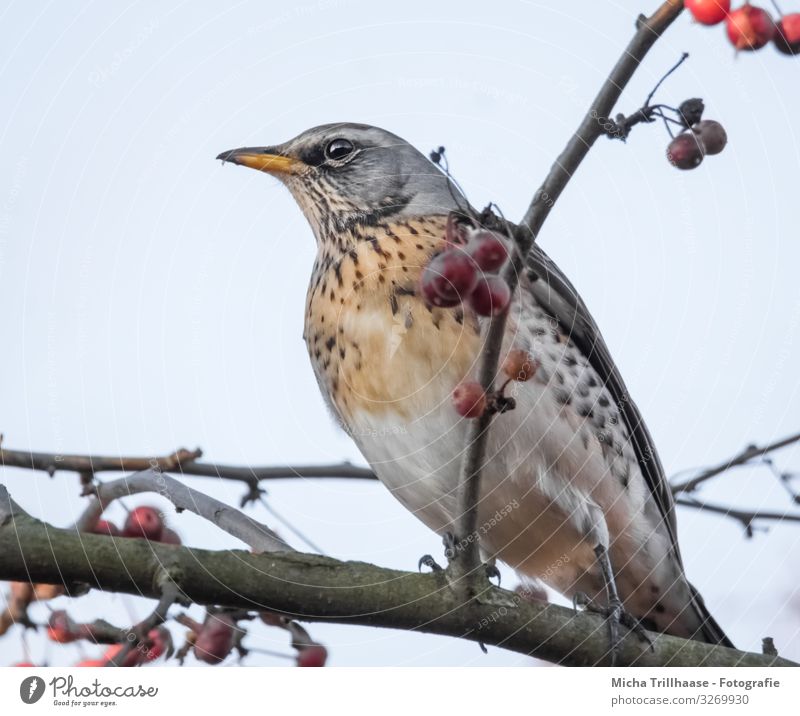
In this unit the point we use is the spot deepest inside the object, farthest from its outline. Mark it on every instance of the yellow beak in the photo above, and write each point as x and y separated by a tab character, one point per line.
263	159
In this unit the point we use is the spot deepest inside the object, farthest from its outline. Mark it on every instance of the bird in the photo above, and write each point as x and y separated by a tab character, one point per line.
573	493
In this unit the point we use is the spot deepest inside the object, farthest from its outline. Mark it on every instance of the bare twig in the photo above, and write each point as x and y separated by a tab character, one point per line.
750	453
649	29
137	635
746	517
465	563
253	533
182	461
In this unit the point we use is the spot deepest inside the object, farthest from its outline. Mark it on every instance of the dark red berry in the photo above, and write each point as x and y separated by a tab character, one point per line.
313	655
215	640
685	151
787	35
712	135
708	12
61	629
488	250
469	399
144	522
750	27
450	275
490	297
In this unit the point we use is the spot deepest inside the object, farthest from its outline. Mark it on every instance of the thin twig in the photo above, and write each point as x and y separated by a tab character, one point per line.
182	462
746	517
684	56
465	560
648	31
138	634
751	452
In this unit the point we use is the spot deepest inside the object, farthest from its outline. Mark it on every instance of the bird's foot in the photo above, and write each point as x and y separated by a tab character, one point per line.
492	572
427	560
615	616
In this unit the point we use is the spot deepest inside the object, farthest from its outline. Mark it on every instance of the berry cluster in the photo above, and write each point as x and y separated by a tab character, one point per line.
146	522
471	401
466	271
687	150
63	630
749	27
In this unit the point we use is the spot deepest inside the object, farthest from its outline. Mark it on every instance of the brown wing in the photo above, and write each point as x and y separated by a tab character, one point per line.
554	292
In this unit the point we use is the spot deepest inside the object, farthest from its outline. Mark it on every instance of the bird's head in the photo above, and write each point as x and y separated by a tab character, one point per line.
345	176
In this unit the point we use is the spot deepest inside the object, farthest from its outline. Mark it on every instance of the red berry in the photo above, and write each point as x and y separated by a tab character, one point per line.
429	293
708	12
787	36
144	522
104	527
169	536
491	296
451	275
519	365
469	400
60	628
215	640
314	655
134	657
712	135
685	151
750	27
159	642
24	663
272	619
488	250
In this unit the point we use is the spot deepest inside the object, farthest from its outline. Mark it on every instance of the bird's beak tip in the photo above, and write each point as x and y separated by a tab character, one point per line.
261	158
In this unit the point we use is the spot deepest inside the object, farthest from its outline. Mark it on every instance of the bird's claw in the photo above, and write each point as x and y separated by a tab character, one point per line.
580	599
428	561
616	615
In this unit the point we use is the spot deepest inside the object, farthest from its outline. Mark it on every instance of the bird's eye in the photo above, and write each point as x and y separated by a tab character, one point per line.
339	148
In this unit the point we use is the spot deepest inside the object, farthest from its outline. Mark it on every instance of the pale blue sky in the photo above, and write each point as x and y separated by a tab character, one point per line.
153	298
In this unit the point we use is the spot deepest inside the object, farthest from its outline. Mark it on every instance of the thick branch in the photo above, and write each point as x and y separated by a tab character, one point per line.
648	31
315	588
751	452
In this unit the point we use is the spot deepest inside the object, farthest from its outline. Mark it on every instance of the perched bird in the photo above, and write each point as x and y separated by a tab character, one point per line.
572	491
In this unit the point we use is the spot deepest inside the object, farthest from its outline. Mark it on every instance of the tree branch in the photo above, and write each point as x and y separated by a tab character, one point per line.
182	462
746	517
751	452
316	588
465	562
648	31
251	532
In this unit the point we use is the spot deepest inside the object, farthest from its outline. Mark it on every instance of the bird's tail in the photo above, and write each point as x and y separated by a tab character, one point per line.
709	631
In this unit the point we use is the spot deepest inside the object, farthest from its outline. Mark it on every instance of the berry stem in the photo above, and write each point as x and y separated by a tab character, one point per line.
684	56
